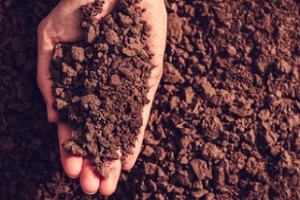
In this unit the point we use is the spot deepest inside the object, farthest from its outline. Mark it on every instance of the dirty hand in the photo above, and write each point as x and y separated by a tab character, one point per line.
63	25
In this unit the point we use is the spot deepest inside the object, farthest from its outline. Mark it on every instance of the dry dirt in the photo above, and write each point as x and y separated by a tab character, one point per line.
225	122
101	83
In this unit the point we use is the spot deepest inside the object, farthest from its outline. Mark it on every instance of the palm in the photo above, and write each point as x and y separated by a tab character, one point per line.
63	25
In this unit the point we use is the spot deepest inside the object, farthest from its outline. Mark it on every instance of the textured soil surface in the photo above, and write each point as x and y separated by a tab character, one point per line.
225	122
101	83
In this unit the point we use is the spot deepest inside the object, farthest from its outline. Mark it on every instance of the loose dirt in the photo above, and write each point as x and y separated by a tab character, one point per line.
101	83
225	121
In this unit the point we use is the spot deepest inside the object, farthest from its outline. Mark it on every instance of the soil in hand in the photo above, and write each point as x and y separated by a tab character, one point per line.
101	83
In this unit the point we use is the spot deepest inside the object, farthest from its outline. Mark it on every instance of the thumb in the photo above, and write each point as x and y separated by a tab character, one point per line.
44	78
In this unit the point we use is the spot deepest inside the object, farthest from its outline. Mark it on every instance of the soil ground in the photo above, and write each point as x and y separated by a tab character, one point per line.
225	123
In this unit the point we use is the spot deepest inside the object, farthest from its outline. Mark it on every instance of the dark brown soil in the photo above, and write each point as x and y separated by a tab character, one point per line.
225	122
101	83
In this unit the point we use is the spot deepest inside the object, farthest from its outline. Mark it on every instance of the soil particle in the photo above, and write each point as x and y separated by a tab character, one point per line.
211	151
175	30
199	167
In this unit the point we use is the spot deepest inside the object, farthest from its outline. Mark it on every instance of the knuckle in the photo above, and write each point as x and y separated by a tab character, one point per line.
42	29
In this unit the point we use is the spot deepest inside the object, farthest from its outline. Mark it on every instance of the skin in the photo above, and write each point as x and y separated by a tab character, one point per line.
63	25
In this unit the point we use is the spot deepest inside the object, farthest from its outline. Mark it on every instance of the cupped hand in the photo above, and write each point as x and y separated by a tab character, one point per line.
63	25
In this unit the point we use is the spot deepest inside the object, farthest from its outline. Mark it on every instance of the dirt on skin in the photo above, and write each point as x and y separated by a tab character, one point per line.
225	121
101	83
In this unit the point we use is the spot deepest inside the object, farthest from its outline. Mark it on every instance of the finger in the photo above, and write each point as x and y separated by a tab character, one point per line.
155	15
154	79
45	48
72	164
130	159
109	185
89	180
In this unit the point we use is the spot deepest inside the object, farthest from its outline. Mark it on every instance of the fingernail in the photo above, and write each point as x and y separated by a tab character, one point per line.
89	193
73	177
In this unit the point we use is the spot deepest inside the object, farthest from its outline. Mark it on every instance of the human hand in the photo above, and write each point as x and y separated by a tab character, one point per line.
63	25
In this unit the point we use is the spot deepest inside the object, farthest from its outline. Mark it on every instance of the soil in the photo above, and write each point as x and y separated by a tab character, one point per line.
101	83
225	122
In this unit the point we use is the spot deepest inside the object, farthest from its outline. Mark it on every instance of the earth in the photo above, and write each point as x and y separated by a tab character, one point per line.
225	123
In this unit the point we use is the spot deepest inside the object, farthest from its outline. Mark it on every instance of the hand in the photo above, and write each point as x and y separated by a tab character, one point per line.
63	25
